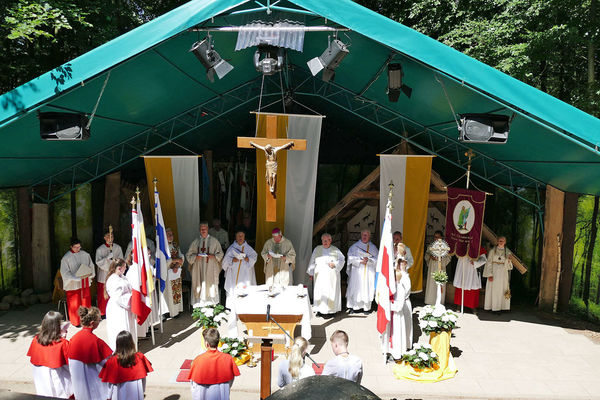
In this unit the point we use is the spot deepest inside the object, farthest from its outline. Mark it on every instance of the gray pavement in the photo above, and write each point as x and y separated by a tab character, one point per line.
520	354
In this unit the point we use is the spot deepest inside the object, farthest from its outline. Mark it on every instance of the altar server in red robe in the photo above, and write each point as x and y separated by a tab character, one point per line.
125	372
212	372
49	356
87	355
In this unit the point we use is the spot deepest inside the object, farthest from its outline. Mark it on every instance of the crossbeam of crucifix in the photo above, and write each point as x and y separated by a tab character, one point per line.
271	145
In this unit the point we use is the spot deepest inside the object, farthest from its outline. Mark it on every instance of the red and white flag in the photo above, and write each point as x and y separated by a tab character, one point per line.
385	279
140	271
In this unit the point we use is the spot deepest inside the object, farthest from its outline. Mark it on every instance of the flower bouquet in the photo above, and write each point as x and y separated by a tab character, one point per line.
440	277
237	348
210	316
421	357
436	319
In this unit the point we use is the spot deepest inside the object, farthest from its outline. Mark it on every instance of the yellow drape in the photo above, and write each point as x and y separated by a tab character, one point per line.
416	200
264	228
160	168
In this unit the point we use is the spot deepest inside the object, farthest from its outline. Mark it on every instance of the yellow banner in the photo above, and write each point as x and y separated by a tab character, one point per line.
161	169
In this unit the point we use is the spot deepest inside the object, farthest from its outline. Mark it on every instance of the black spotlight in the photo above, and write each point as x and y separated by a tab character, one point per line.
484	128
63	126
210	59
395	84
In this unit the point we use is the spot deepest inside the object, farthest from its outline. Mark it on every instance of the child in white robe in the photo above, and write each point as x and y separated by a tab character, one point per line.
118	310
343	365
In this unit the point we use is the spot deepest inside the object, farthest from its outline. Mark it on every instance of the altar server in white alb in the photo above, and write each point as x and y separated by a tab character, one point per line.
105	255
343	365
118	311
325	265
497	271
280	259
173	287
238	265
398	238
467	279
362	258
204	257
432	266
77	271
398	337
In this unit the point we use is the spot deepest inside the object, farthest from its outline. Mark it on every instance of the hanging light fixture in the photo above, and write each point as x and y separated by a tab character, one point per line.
395	85
329	60
268	59
210	59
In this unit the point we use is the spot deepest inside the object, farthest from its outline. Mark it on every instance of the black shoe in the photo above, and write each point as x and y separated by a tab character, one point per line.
367	312
350	311
319	314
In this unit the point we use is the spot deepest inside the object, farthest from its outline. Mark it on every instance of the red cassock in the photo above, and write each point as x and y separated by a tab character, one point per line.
114	373
88	348
54	355
213	367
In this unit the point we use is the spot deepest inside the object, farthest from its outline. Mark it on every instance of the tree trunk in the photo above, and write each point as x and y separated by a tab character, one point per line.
598	291
590	253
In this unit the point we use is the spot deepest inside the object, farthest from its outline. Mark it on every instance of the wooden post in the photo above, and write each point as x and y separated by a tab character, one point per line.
266	349
208	157
112	194
568	243
553	226
25	249
40	248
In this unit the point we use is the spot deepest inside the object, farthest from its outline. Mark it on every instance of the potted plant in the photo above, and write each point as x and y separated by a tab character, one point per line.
421	358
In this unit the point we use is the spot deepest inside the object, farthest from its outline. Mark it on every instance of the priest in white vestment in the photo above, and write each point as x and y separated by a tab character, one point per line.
432	266
397	338
204	257
397	238
362	258
77	271
219	233
280	259
343	365
324	267
173	285
468	279
238	265
497	271
105	255
118	310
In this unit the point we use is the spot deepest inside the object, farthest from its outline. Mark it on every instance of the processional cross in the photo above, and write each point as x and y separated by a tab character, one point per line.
271	145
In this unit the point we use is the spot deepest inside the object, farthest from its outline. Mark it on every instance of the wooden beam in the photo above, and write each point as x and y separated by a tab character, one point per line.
244	142
366	194
553	225
270	200
491	237
438	196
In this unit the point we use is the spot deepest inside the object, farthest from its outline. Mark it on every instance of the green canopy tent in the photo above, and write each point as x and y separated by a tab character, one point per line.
150	91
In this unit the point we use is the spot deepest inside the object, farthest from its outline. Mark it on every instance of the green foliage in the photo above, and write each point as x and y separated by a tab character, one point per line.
440	277
436	319
9	278
577	307
210	316
233	346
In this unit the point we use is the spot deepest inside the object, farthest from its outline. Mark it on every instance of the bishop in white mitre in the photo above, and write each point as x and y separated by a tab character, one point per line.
324	267
204	257
497	271
238	265
433	263
362	258
280	259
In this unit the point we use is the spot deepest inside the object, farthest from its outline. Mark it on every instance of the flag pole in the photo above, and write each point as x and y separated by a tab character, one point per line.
155	181
137	193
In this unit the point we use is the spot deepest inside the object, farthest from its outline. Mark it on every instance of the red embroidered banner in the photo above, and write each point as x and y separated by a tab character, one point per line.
464	221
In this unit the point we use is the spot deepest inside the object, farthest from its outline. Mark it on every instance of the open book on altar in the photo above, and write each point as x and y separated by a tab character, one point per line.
84	271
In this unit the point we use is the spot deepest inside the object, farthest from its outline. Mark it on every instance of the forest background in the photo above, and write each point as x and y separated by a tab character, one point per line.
549	44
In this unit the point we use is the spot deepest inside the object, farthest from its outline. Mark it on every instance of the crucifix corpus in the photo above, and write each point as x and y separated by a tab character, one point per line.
271	145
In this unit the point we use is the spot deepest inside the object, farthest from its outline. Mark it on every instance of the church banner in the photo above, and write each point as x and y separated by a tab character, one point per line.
464	221
411	176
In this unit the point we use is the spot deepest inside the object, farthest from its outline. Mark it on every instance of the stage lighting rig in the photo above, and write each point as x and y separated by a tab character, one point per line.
395	85
268	59
484	128
210	59
329	60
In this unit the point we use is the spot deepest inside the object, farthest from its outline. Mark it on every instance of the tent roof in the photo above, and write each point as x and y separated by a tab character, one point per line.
156	92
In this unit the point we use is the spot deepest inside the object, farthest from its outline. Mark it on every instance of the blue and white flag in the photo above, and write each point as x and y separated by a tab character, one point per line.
163	255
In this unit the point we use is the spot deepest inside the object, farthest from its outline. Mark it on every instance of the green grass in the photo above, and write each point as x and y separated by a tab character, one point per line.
577	308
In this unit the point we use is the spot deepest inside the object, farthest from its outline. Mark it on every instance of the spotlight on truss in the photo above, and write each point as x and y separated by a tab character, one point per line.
395	85
210	59
329	60
484	128
268	59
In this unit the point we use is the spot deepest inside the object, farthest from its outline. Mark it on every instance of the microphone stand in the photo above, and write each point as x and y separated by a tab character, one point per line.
270	318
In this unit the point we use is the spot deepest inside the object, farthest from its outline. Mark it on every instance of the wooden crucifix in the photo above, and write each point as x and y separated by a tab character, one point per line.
271	145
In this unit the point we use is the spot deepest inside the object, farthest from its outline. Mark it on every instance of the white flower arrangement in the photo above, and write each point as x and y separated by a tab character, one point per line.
233	346
210	316
436	319
421	356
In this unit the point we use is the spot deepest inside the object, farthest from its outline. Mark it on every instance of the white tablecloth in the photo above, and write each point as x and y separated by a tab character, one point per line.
285	303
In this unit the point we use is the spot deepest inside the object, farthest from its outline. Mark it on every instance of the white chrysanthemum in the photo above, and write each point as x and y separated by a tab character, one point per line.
412	352
427	346
225	346
422	324
433	354
445	318
234	353
423	356
209	312
438	311
432	324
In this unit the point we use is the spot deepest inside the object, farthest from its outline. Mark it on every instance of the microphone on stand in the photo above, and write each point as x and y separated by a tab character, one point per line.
268	312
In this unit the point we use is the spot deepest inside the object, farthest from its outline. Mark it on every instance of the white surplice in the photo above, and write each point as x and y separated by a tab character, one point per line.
361	277
472	279
237	269
431	288
118	310
217	391
400	329
347	366
104	257
327	286
498	266
69	265
86	383
130	390
52	382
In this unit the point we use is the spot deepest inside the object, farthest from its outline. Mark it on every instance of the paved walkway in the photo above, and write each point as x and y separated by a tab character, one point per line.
521	354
